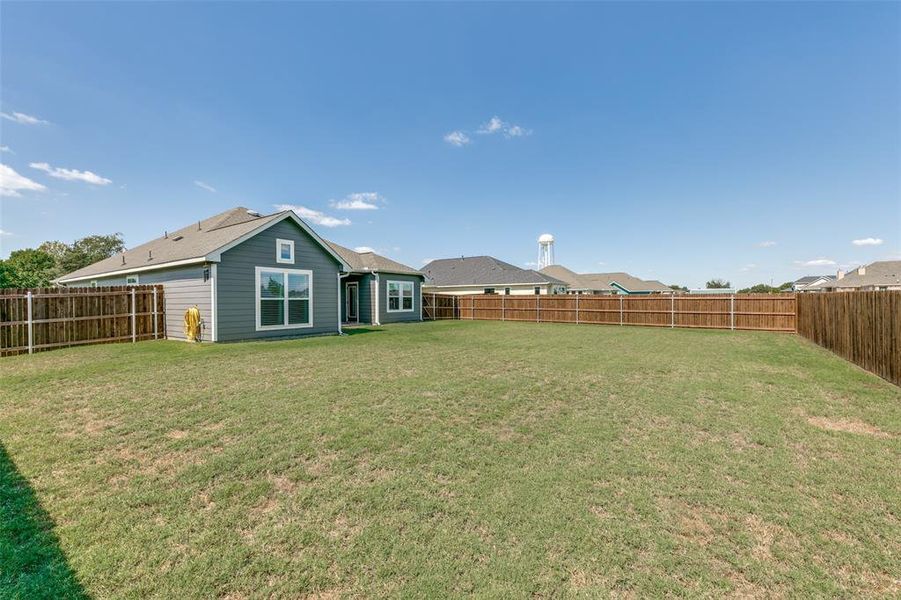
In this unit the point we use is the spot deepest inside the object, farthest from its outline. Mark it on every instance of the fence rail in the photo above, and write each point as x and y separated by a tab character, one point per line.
761	312
862	327
32	320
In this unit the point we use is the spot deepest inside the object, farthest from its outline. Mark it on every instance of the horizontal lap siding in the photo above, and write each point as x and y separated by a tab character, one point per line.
236	285
398	317
364	287
184	287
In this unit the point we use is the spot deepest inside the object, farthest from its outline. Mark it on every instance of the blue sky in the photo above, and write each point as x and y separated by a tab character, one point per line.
676	141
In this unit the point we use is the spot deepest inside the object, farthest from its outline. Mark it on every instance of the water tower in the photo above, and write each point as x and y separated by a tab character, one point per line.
545	250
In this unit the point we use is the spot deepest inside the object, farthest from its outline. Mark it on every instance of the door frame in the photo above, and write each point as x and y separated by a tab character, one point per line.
356	285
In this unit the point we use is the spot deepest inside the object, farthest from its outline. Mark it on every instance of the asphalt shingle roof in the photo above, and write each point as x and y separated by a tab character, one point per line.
880	273
604	281
194	241
368	262
481	270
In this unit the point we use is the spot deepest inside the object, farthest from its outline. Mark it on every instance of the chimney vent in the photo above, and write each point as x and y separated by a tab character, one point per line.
840	274
150	255
123	258
862	270
166	234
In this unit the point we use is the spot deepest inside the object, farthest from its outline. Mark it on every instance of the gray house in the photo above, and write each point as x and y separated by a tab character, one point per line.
378	290
252	277
605	283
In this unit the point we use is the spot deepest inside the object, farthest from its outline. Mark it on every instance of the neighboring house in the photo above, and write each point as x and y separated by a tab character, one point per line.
877	276
378	290
605	283
805	283
251	276
486	275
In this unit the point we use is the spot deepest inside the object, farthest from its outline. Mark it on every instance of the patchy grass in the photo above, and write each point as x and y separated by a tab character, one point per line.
449	458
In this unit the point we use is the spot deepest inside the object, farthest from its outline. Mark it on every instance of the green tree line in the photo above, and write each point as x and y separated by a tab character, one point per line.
38	267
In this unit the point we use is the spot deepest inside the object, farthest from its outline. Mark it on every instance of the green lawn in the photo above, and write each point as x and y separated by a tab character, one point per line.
435	459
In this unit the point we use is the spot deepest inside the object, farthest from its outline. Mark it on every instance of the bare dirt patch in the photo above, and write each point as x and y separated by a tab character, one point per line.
848	426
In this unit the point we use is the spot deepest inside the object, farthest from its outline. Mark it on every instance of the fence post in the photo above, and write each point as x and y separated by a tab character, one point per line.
154	314
620	309
732	313
538	308
133	318
434	308
29	300
504	307
672	311
577	308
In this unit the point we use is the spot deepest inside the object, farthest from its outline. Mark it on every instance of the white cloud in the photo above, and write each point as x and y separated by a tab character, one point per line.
71	174
817	262
749	267
11	183
517	131
358	201
497	125
601	263
3	232
457	138
204	186
868	242
6	149
493	125
24	119
362	249
767	244
313	216
530	264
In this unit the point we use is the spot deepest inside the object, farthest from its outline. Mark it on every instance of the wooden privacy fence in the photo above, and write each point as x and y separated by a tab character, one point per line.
38	319
763	312
862	327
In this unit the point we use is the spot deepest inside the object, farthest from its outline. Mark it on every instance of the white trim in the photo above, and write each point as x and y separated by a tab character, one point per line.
377	318
340	276
174	263
278	251
216	255
347	286
420	300
93	283
256	284
214	306
137	280
400	297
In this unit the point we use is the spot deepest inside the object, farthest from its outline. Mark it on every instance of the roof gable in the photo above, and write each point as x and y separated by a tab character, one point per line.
204	241
370	262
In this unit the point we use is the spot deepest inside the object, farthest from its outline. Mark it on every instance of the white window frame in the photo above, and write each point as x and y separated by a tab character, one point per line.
400	304
278	252
506	291
537	290
93	283
135	276
258	298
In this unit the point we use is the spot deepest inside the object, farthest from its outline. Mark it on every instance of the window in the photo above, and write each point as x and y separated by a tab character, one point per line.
93	283
284	298
488	291
131	279
284	251
537	290
400	296
506	291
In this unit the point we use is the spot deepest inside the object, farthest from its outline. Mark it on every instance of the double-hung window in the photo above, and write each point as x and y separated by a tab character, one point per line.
400	296
132	279
284	298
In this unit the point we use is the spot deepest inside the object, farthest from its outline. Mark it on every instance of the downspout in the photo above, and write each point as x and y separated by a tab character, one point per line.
340	277
377	319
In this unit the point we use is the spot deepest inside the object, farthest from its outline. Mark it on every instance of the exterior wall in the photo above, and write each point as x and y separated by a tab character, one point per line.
399	317
236	284
515	290
364	286
184	287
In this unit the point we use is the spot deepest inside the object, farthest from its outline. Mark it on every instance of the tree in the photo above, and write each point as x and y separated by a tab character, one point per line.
718	284
26	269
762	288
83	252
678	288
